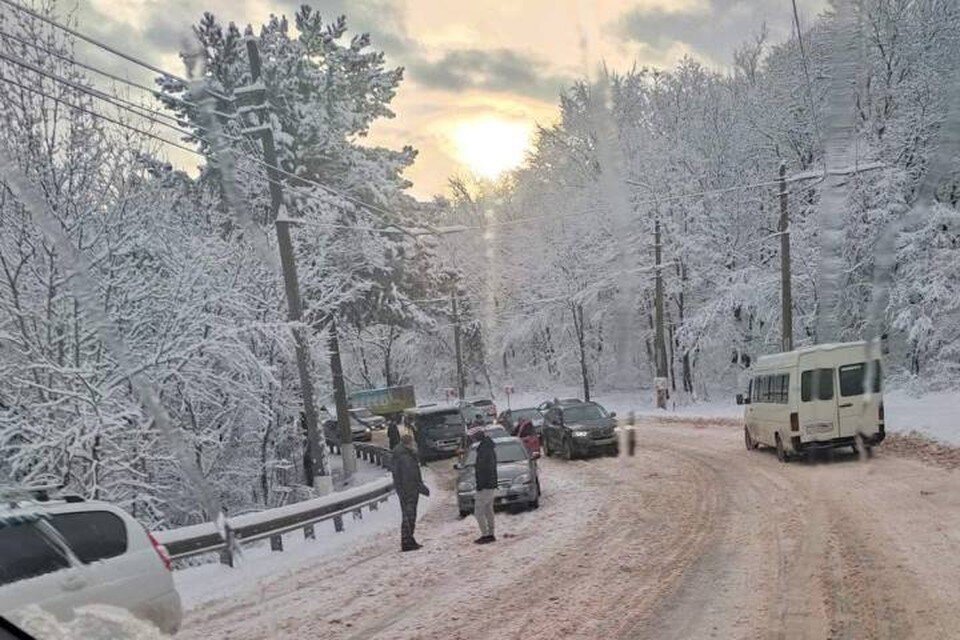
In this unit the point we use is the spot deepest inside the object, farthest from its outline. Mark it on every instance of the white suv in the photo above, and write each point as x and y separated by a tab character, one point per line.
64	553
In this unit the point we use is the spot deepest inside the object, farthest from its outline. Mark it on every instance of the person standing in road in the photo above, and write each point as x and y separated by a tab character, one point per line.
409	486
393	433
486	477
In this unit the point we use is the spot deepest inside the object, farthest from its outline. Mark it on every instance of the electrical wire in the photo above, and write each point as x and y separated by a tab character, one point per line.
156	93
97	114
101	45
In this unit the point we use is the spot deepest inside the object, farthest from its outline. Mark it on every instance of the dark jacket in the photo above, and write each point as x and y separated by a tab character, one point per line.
486	468
393	434
406	474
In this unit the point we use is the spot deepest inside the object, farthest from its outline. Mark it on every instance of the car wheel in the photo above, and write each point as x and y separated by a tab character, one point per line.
781	451
748	440
567	449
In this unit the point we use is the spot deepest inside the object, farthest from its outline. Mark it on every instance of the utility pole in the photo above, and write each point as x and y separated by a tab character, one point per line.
660	346
461	386
786	295
264	132
340	400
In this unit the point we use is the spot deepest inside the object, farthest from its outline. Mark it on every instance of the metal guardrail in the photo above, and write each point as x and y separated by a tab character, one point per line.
195	540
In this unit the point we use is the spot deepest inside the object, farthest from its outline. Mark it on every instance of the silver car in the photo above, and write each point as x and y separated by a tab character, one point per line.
518	481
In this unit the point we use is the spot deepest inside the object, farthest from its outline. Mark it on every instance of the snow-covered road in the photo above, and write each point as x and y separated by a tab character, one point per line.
693	538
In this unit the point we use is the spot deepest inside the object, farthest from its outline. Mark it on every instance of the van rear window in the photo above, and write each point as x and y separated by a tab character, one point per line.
852	378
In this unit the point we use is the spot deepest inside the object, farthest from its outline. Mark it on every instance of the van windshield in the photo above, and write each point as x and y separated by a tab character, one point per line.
852	378
448	423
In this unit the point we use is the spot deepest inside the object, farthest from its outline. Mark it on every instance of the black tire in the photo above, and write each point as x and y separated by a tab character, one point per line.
748	440
567	449
782	455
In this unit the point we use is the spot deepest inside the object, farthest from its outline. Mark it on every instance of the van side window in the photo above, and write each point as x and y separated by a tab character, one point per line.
816	384
92	535
852	375
27	553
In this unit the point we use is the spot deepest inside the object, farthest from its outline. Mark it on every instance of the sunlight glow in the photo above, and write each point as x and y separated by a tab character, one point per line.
491	146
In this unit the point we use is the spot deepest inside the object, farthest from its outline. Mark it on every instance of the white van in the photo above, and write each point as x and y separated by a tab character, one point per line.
815	398
60	554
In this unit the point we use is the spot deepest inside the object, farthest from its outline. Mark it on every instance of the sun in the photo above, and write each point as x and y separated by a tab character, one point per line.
490	146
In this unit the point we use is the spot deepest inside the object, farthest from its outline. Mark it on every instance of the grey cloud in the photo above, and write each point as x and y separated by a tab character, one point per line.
714	33
491	70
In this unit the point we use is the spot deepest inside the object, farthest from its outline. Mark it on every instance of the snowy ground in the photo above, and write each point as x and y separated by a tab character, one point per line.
694	538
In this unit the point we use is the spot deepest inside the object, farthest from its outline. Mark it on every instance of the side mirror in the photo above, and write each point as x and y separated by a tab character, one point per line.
613	414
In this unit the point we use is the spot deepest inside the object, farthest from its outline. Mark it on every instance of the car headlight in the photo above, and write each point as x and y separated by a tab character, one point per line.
580	434
523	478
466	485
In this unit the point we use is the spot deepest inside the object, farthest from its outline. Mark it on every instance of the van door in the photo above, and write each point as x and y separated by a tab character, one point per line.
818	405
857	413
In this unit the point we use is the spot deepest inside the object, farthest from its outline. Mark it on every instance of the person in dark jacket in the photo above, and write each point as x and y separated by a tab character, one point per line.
393	433
409	486
486	477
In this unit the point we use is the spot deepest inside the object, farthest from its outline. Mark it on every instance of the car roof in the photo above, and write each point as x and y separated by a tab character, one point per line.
38	508
427	409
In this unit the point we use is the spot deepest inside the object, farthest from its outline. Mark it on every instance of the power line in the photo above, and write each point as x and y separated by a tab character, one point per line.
132	107
96	114
106	74
98	43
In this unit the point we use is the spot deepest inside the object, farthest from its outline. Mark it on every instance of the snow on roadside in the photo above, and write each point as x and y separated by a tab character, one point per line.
259	565
934	415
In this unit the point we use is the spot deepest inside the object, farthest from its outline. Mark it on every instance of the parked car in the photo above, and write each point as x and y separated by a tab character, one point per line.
486	406
359	431
578	430
438	429
511	417
368	418
518	481
63	553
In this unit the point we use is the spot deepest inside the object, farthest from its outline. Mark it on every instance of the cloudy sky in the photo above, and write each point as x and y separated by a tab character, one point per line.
481	74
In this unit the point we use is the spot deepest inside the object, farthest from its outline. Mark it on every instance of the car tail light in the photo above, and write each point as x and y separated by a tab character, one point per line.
161	551
794	422
881	412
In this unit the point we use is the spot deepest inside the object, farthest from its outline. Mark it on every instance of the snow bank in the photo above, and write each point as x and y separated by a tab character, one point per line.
91	622
935	415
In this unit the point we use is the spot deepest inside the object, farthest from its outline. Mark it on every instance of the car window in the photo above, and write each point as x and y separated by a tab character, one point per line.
509	451
27	553
92	535
584	412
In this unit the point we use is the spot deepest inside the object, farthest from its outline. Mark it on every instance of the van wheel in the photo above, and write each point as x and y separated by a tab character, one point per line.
748	440
781	452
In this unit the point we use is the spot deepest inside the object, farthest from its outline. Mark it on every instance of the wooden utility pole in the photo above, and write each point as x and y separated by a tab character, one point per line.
660	346
288	265
786	295
340	400
461	385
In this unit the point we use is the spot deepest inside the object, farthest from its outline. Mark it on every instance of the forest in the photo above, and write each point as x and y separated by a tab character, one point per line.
553	267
